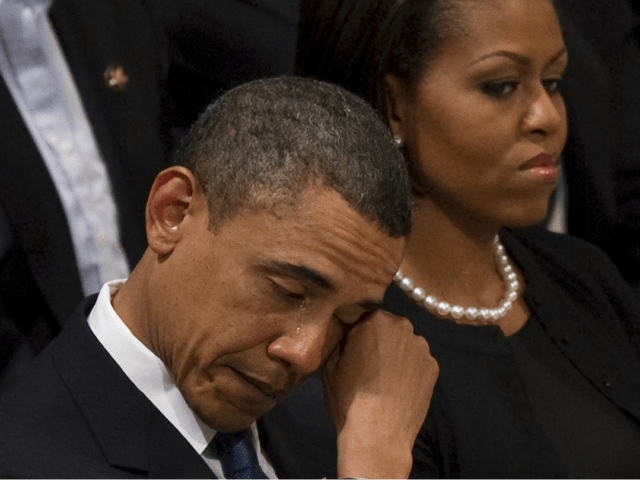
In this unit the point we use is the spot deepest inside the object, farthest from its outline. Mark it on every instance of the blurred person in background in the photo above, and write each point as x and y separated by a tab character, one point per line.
94	97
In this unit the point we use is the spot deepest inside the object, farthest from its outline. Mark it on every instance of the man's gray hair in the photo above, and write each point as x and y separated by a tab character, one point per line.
260	146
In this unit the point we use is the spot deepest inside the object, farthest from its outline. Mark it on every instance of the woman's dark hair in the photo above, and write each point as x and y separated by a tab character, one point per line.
355	43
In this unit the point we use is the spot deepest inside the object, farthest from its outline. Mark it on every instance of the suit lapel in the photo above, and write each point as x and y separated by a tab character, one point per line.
31	203
126	124
171	456
132	433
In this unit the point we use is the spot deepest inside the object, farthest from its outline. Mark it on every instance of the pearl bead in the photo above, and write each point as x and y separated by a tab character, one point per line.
406	284
471	313
430	302
444	309
418	294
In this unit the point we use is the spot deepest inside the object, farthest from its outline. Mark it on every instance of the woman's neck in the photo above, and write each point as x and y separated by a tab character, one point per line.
454	259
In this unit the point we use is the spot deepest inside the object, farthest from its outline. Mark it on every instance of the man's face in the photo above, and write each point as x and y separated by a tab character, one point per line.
242	316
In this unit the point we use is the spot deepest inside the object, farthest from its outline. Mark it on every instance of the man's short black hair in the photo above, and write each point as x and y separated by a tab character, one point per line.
263	144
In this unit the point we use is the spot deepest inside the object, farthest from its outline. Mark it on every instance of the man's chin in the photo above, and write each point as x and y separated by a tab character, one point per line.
231	424
230	418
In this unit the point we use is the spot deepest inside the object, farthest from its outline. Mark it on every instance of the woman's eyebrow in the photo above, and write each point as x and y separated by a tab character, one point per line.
516	57
555	58
521	59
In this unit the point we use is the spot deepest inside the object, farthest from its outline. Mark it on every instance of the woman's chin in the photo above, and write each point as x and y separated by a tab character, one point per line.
532	214
526	221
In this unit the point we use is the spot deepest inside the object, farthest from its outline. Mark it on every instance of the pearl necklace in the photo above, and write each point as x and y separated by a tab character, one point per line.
443	309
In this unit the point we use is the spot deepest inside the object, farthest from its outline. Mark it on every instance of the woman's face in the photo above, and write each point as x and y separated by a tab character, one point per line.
487	122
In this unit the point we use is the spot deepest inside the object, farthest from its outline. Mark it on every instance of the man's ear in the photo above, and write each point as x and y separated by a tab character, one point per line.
174	196
397	103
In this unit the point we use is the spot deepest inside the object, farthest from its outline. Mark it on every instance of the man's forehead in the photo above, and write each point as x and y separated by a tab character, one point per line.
321	241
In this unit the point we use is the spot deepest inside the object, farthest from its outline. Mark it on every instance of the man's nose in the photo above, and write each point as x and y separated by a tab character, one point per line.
301	348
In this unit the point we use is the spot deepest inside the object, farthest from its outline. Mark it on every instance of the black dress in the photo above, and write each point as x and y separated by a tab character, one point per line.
485	420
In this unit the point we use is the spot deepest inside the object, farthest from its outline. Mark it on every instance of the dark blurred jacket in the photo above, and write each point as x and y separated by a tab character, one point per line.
602	156
178	56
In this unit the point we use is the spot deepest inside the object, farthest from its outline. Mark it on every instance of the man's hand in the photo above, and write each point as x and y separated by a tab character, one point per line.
378	389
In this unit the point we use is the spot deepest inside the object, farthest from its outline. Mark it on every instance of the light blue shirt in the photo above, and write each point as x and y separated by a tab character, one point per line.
38	77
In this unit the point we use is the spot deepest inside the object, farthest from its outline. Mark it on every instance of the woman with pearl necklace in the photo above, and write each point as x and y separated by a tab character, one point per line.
537	335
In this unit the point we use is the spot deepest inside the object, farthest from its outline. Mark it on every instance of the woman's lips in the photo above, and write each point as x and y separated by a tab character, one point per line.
542	160
542	167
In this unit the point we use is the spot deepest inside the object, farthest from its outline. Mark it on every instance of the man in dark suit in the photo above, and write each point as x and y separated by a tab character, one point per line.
143	72
270	244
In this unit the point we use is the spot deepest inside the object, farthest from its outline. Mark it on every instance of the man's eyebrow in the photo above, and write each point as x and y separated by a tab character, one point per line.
301	271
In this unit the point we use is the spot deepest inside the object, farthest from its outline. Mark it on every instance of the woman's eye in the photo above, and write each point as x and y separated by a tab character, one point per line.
553	85
499	89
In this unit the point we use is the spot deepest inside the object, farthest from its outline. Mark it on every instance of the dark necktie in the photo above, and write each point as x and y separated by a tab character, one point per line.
237	455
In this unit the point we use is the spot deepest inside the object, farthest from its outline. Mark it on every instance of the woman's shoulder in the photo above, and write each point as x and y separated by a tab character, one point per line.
551	243
552	263
560	252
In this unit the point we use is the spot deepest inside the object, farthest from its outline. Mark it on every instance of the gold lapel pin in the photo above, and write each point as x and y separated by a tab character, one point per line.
115	77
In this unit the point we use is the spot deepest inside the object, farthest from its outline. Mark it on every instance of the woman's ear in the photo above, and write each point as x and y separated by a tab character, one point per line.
397	103
174	195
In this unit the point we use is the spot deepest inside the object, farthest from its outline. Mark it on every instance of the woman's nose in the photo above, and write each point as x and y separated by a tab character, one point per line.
546	114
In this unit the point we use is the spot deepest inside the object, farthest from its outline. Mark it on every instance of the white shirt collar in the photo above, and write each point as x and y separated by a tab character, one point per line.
145	369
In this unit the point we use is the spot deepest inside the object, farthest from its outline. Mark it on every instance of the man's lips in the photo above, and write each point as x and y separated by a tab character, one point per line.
264	387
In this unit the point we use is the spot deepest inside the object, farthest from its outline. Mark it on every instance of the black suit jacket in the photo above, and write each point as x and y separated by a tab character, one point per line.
76	414
175	66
